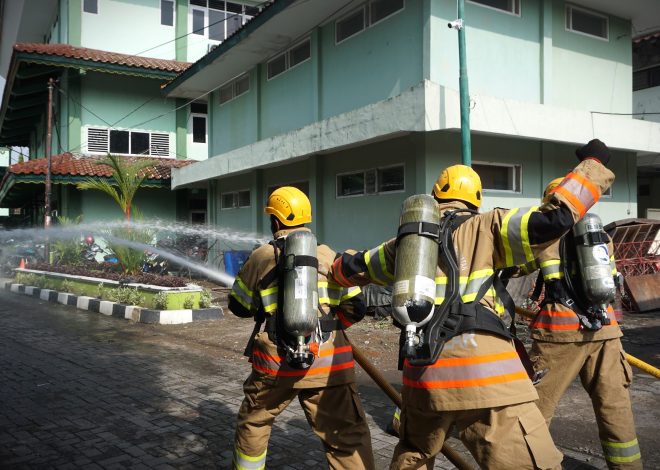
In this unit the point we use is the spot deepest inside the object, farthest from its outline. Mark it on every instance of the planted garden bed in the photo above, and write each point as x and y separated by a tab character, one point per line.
120	290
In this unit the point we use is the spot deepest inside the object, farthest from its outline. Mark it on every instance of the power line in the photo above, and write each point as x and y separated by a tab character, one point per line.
625	114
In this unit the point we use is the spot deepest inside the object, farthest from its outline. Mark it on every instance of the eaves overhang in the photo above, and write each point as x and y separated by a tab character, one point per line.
279	25
427	107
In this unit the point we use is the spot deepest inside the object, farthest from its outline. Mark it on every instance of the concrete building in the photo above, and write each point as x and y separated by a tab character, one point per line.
109	59
356	102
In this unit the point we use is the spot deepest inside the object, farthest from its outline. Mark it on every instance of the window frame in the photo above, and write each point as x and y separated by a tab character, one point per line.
364	171
507	165
244	19
511	13
107	150
569	7
366	15
173	13
236	199
287	58
233	82
191	9
192	127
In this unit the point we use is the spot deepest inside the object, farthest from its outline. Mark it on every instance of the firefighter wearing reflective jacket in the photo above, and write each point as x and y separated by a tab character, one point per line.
567	343
289	361
477	382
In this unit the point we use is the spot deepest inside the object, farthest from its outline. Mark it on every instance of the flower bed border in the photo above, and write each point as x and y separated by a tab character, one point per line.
114	309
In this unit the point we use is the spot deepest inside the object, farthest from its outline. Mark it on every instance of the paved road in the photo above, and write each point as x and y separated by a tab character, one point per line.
81	390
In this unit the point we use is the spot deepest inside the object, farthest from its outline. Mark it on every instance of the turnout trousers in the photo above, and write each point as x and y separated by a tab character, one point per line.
506	437
606	376
334	413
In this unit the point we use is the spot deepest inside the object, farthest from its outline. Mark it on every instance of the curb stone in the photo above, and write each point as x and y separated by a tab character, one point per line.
114	309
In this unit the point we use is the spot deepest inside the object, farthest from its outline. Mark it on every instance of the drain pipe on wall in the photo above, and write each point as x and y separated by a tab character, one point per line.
459	25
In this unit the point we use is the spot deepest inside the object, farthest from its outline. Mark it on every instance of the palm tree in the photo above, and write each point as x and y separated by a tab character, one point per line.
128	177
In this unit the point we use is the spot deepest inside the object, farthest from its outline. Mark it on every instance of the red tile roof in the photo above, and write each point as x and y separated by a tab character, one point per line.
67	164
95	55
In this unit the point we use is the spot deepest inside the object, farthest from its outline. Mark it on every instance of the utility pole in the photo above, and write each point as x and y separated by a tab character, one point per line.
49	136
459	25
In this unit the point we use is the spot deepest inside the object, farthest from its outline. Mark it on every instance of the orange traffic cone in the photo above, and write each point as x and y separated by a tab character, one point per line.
21	265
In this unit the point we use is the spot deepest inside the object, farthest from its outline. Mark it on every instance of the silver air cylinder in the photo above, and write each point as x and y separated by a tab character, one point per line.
413	292
594	262
301	297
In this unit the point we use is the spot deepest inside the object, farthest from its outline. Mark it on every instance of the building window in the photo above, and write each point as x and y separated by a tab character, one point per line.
289	59
499	176
217	19
167	12
365	17
235	199
198	114
508	6
123	142
234	88
91	6
646	78
372	181
581	21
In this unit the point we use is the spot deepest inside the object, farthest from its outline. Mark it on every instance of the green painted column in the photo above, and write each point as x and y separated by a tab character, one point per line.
181	129
73	84
75	23
466	149
546	52
180	30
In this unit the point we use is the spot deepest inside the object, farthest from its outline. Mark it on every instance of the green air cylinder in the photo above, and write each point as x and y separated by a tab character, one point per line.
301	297
413	292
594	260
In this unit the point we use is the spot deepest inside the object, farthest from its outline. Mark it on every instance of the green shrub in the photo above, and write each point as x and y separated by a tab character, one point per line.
101	291
160	301
188	302
66	286
130	259
68	251
205	299
126	295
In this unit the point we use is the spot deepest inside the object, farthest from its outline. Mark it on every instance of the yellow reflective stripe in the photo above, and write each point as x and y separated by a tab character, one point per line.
473	295
525	234
240	301
246	462
439	300
397	413
620	445
550	262
441	280
548	277
269	298
270	290
479	274
243	286
504	232
351	292
383	263
631	458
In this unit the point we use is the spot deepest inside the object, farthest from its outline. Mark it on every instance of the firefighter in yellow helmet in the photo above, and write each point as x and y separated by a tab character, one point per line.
322	375
568	342
476	380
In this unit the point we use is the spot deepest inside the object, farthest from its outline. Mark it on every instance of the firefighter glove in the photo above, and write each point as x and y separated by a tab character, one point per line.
595	150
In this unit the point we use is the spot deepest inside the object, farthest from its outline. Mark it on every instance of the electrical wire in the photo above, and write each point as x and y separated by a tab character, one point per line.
625	114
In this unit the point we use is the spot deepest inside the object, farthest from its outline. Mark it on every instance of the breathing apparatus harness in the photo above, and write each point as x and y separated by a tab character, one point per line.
453	316
296	356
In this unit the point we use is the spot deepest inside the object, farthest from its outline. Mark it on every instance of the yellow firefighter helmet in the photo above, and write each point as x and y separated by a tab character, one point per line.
459	182
551	185
290	206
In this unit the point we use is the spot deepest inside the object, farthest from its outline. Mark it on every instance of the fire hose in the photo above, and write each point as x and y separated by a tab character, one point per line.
453	456
632	360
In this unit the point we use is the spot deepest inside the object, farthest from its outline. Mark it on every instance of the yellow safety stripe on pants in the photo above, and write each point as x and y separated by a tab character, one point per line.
621	452
515	236
350	293
329	293
246	462
241	293
376	265
269	299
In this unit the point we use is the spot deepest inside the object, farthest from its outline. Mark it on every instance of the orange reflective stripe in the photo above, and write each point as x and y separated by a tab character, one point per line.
339	275
465	361
299	373
333	351
328	361
466	383
595	193
572	198
555	326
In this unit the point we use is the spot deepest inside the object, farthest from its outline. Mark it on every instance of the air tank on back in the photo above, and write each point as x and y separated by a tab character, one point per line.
594	260
413	292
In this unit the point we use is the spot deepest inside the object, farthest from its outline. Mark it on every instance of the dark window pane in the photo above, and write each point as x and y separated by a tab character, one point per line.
198	22
91	6
199	129
497	177
383	8
140	143
244	199
390	179
234	7
588	23
506	5
242	85
119	141
226	92
300	53
277	66
251	11
234	22
217	25
228	200
350	185
199	108
199	3
167	12
350	25
217	4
